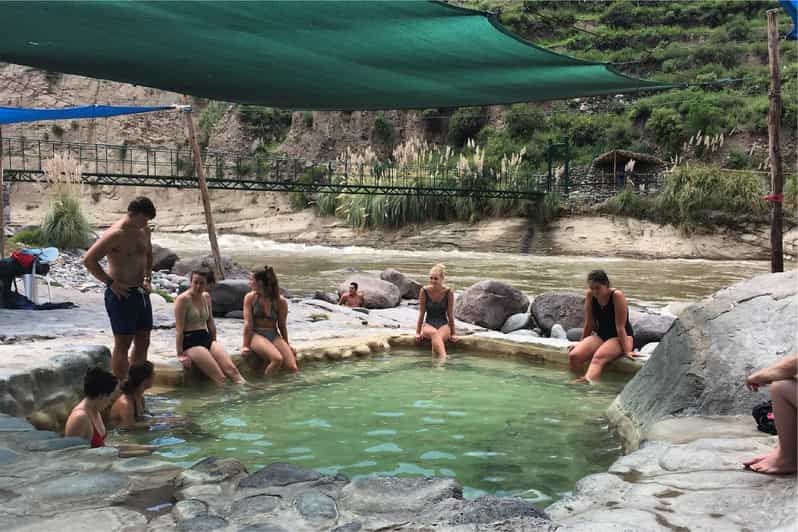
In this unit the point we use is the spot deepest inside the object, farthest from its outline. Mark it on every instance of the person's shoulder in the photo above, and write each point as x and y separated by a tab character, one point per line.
249	295
618	292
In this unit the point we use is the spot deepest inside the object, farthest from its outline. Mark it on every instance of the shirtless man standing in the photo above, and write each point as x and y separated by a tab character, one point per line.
127	296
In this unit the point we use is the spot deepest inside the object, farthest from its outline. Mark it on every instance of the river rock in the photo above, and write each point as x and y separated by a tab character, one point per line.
163	258
558	332
232	270
408	288
650	327
700	366
516	322
574	334
228	295
329	297
278	475
567	309
377	293
316	506
397	494
489	303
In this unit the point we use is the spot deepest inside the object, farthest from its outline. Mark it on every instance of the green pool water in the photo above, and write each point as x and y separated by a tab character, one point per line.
501	426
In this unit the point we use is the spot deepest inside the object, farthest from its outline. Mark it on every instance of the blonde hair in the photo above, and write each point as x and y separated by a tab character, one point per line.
439	269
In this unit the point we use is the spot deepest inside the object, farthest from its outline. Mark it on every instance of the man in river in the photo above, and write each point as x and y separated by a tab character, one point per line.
128	246
352	298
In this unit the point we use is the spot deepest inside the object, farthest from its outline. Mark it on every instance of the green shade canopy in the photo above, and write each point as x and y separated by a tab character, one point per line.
326	55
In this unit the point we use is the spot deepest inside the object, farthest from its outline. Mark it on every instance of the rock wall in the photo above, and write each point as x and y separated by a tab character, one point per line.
699	367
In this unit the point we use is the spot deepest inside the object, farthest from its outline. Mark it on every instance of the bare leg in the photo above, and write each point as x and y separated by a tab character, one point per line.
226	363
609	351
268	352
141	344
289	359
783	459
205	362
582	352
437	338
119	362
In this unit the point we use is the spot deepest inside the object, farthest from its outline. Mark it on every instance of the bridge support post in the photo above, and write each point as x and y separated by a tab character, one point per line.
203	186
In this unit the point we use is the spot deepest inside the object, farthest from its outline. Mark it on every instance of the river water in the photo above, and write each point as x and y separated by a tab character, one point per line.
304	268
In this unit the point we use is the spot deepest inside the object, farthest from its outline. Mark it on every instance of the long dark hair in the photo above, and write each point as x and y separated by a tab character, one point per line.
268	280
137	374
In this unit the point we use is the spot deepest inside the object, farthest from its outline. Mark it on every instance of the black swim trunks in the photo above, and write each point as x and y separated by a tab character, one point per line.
129	315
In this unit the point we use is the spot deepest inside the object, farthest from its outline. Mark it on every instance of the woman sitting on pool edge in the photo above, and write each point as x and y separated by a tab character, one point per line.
265	332
196	342
607	332
436	313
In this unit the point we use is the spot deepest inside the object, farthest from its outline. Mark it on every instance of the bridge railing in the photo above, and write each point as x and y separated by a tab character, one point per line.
29	155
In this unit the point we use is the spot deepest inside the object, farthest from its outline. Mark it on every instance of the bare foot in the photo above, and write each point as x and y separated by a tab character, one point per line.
581	380
776	464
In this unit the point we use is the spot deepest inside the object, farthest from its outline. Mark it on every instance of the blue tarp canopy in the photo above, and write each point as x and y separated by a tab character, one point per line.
13	115
791	7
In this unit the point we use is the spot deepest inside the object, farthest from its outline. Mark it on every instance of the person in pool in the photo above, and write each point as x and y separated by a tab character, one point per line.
607	333
86	421
265	332
781	377
436	313
196	341
128	409
352	298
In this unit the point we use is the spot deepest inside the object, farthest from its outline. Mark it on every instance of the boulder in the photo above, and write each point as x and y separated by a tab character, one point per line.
408	288
232	270
516	322
574	334
567	309
228	295
163	258
700	365
558	332
489	304
377	293
329	297
650	327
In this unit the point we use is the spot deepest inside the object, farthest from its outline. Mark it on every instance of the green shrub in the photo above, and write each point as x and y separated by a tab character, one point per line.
29	237
65	226
164	294
665	126
696	195
265	122
523	120
738	160
383	131
208	119
628	203
307	119
464	124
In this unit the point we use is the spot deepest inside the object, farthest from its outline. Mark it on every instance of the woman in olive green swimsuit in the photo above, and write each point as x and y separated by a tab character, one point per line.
265	332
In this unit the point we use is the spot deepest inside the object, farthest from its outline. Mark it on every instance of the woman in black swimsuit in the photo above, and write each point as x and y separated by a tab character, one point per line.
607	333
436	313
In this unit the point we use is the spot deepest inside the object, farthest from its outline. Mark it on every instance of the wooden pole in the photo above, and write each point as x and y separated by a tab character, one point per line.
2	202
203	187
774	145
